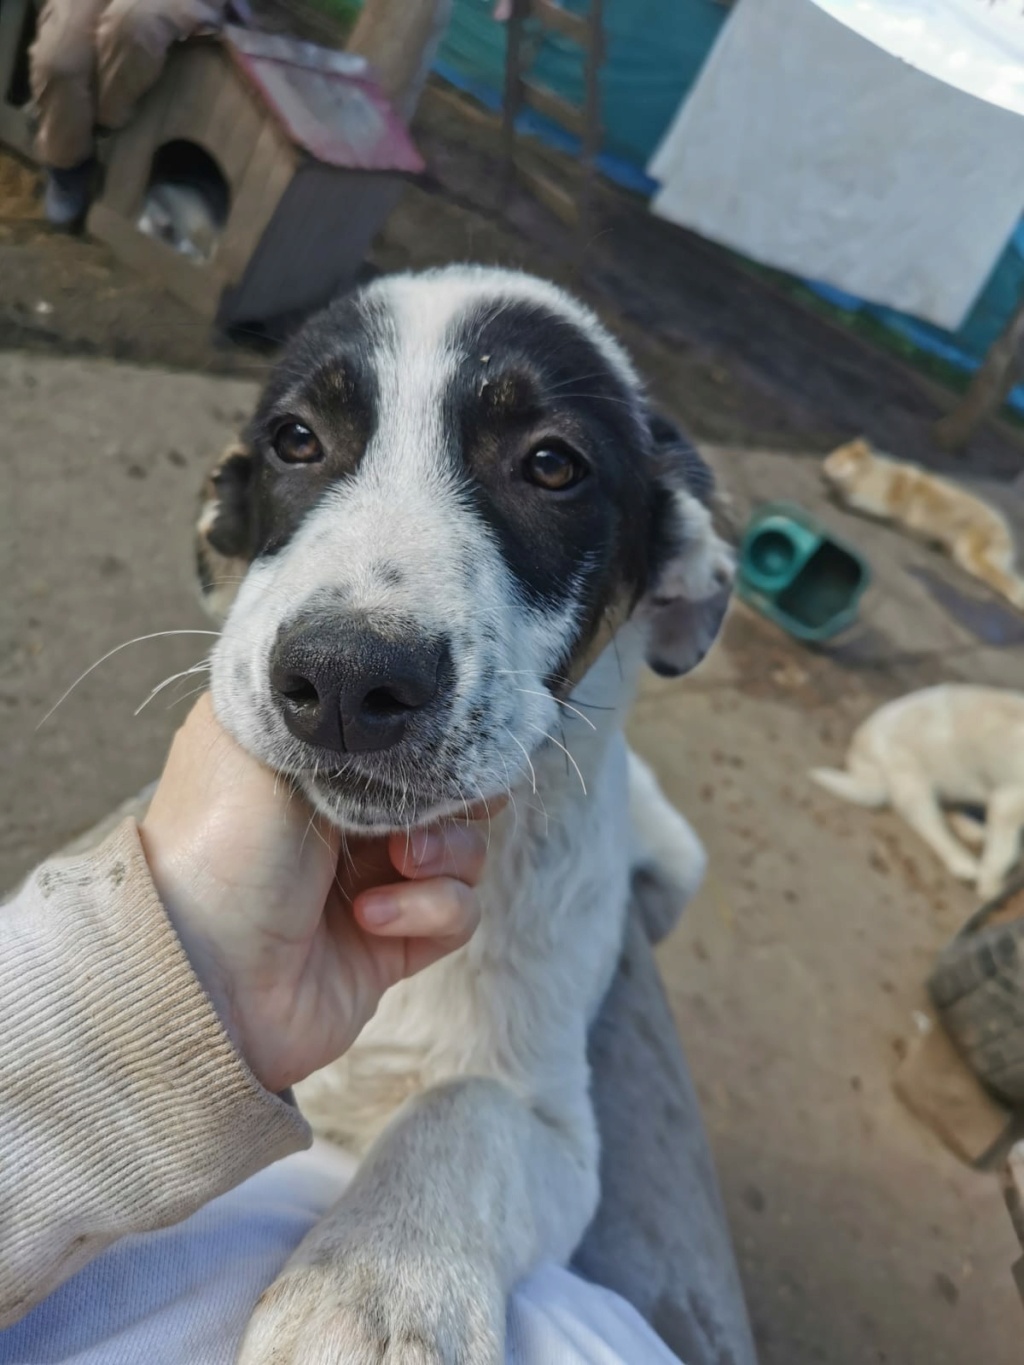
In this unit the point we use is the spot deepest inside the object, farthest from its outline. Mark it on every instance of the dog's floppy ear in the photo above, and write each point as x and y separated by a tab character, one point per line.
692	583
224	528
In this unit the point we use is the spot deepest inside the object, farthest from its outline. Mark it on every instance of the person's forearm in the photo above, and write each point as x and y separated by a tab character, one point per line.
123	1106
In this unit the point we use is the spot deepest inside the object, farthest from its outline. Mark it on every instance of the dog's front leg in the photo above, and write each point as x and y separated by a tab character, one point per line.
1004	820
462	1195
914	799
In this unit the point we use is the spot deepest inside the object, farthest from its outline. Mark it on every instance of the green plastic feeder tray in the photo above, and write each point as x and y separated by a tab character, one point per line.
798	575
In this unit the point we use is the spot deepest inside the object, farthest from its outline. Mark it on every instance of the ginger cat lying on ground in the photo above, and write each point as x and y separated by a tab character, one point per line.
975	535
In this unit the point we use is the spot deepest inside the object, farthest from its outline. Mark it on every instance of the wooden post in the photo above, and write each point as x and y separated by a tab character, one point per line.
989	387
513	101
400	38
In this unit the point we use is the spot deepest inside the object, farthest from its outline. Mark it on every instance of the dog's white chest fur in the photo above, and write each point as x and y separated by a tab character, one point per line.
515	1003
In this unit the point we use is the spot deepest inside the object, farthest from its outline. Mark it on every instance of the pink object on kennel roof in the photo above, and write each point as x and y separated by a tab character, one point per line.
327	102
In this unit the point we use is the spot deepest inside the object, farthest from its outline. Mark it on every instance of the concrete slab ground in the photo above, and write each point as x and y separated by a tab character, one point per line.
794	975
101	468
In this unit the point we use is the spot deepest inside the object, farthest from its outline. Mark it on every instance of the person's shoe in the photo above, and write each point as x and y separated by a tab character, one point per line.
68	193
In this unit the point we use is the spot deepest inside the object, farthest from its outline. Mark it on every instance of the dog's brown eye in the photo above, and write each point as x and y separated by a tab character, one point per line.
554	470
296	444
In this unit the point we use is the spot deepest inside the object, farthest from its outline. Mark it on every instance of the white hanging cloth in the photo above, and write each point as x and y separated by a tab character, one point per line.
808	147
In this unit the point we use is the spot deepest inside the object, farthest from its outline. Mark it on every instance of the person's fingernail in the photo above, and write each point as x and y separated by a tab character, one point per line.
380	910
426	846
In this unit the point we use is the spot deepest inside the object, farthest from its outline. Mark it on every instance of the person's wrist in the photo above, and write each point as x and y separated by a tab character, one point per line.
173	875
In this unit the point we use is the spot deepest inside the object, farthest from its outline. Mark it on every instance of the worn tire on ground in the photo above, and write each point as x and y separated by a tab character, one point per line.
977	987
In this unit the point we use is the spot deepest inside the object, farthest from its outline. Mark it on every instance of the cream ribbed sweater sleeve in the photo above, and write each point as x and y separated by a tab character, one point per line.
123	1106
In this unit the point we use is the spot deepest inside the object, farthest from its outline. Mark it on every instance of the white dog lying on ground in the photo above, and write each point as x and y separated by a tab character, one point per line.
953	745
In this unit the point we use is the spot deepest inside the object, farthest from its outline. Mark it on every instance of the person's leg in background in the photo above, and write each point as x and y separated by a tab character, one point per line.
132	40
62	63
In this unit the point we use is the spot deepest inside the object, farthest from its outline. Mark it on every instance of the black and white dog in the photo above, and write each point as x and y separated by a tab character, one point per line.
449	540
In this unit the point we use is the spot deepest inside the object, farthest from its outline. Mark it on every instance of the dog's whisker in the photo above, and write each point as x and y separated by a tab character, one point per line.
564	749
185	696
490	822
601	397
320	835
590	705
138	640
618	653
529	761
346	851
305	833
557	678
202	666
558	702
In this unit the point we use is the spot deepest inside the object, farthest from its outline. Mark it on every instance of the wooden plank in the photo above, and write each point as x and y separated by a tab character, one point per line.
575	27
268	174
992	381
399	39
314	243
591	126
199	72
234	125
130	151
554	196
512	102
554	107
447	97
944	1094
198	286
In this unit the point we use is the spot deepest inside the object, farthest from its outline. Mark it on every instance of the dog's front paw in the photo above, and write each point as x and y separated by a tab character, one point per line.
964	868
346	1308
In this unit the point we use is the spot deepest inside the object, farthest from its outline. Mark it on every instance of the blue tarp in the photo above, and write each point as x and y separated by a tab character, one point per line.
655	49
966	348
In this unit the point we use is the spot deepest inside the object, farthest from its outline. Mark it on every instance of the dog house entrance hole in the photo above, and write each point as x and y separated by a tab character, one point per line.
187	200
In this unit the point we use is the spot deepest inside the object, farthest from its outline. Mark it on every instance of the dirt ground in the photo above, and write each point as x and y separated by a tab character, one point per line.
797	971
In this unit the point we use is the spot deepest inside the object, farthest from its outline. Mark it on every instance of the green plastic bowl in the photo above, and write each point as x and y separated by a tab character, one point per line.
798	574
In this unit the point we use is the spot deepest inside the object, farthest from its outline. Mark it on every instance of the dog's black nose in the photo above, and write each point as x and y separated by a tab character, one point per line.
342	685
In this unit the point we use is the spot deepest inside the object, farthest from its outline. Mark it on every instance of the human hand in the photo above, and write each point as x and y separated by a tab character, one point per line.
295	937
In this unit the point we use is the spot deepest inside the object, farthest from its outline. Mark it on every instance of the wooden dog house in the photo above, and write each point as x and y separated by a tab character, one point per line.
295	149
311	159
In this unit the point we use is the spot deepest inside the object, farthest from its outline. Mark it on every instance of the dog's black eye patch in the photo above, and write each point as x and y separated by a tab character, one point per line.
511	392
316	418
551	437
230	533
